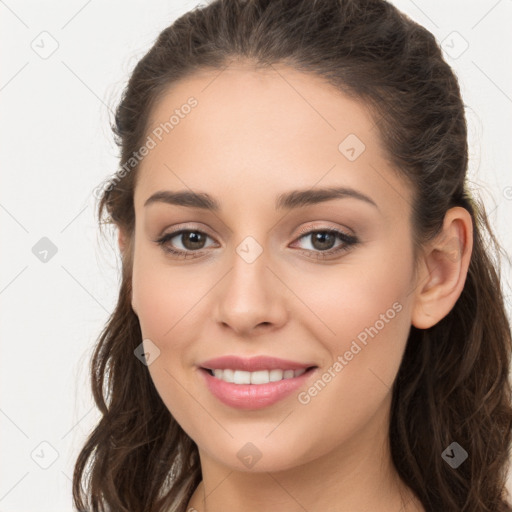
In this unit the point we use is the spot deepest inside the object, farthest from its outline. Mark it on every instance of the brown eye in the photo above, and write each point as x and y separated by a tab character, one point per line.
190	240
193	240
323	240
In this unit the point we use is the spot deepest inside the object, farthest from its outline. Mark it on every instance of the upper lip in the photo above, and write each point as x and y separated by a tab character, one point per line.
252	363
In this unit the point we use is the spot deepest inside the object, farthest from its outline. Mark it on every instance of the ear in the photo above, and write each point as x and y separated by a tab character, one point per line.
444	267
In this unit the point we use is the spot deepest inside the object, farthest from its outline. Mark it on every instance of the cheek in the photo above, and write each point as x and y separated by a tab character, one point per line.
365	322
361	295
154	307
350	392
162	297
354	387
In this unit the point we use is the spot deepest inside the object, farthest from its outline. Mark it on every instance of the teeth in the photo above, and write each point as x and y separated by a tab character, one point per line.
242	377
227	375
275	375
257	377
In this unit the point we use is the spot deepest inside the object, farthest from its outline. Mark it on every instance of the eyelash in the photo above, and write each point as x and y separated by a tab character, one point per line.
349	242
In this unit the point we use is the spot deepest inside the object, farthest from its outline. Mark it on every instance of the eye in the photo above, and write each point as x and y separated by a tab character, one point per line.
322	241
191	240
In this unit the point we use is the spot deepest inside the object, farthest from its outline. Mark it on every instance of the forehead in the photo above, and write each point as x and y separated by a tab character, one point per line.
273	105
255	131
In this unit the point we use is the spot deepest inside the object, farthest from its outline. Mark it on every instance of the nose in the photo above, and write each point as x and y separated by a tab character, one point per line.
251	298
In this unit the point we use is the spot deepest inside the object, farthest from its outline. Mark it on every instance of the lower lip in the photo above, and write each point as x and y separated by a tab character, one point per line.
253	396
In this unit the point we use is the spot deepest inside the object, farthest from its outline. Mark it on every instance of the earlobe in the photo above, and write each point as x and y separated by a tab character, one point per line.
444	269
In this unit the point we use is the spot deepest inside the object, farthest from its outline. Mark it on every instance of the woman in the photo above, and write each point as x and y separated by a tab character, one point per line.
309	317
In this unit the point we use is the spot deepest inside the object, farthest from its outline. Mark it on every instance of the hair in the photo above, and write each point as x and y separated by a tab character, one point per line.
453	382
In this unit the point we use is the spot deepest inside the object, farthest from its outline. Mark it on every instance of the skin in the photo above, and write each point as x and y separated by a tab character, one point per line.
331	453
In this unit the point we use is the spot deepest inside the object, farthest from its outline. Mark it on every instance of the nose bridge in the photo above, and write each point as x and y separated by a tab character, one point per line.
249	275
250	294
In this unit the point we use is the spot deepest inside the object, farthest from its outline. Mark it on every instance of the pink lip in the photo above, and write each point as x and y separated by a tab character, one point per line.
252	364
253	396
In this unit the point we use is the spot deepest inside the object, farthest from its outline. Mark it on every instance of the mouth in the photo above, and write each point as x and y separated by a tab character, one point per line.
254	382
251	390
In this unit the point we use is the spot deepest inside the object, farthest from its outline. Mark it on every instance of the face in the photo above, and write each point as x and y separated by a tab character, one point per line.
324	284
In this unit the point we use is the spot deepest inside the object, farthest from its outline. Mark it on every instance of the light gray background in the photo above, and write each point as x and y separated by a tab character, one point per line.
57	147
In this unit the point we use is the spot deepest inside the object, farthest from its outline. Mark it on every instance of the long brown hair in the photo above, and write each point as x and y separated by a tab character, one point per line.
453	381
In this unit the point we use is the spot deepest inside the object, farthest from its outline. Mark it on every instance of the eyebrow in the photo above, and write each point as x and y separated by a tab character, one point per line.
288	200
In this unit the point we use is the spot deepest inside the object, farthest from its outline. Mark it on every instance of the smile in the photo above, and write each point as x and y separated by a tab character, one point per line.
242	389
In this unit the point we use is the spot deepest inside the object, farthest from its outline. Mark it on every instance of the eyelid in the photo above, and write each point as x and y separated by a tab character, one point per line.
186	227
325	227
